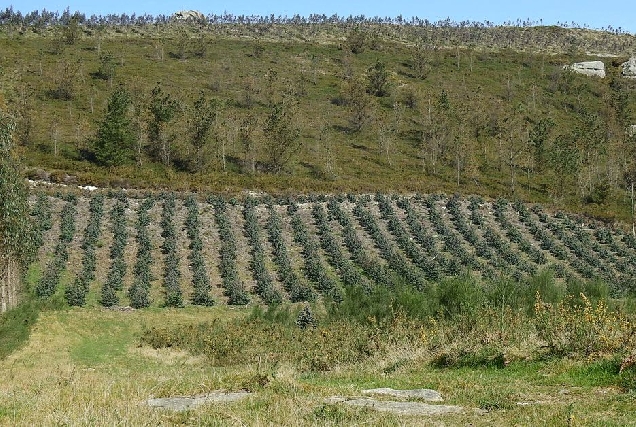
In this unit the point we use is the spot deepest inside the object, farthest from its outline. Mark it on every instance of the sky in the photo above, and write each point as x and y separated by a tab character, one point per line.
593	14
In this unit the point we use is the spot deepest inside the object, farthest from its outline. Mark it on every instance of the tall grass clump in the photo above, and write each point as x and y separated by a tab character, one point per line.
458	322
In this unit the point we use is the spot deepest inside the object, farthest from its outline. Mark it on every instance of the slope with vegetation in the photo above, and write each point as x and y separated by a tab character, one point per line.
308	247
324	104
358	271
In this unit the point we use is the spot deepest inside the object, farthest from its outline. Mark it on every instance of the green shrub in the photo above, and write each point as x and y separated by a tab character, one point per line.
459	297
305	318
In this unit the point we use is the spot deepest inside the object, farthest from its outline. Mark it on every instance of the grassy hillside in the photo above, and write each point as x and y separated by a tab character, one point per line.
316	206
366	106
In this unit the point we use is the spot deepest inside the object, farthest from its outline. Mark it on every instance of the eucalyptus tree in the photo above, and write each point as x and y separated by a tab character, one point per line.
17	233
163	108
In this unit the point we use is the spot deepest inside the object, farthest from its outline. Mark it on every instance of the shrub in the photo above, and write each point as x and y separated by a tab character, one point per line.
460	296
587	330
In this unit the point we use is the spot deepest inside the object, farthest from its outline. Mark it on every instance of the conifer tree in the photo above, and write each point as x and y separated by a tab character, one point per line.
115	140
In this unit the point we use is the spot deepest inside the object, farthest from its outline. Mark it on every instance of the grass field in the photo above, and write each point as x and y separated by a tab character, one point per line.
89	367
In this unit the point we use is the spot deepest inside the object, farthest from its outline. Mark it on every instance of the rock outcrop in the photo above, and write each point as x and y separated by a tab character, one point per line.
399	408
420	393
184	403
629	68
403	407
188	15
588	68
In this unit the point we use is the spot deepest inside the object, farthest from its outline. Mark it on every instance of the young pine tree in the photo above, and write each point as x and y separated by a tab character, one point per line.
115	139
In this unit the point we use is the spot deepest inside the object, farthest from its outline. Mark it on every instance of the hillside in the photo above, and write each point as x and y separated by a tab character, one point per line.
162	250
325	105
299	209
515	314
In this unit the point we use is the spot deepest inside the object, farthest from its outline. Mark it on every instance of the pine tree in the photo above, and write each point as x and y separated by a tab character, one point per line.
115	140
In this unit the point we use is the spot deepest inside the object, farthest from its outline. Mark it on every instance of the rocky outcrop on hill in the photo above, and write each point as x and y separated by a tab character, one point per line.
629	68
188	15
588	68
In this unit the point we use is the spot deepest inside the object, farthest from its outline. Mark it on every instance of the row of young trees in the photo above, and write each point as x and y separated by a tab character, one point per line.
171	271
234	287
76	292
349	273
465	30
139	292
117	270
48	283
313	266
200	278
358	241
48	17
295	287
264	283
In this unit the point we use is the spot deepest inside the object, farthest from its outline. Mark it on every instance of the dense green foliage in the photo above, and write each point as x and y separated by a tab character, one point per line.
114	142
18	236
42	218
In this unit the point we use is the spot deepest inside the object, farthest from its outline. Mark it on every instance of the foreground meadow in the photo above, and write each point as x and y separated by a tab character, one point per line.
99	367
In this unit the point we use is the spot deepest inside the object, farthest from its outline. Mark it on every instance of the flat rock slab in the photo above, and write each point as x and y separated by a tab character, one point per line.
399	408
420	393
183	403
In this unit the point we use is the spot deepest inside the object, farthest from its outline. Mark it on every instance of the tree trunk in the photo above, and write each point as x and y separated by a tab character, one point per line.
8	284
633	224
3	287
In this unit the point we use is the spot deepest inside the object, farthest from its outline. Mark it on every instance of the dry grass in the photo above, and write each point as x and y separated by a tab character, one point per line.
87	367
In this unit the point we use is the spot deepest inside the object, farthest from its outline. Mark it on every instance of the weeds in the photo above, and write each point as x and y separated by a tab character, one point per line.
456	327
585	330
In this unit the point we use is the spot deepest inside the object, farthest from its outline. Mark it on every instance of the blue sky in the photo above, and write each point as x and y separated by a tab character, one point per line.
595	14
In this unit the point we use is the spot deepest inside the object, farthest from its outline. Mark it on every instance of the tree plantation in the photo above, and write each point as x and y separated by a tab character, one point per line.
159	249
